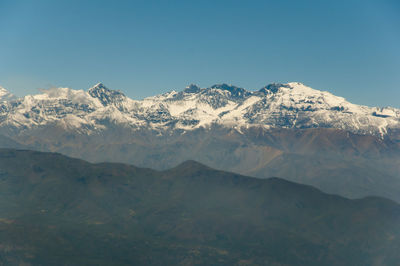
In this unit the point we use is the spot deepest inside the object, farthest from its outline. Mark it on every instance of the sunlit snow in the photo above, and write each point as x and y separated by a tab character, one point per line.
291	105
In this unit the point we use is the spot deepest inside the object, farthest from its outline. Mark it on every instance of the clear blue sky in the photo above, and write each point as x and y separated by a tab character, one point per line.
351	48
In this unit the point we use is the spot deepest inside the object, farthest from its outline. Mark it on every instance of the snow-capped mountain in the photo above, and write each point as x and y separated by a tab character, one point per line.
5	95
287	130
291	105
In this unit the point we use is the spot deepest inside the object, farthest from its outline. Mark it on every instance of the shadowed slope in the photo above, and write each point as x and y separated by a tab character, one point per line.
337	161
58	210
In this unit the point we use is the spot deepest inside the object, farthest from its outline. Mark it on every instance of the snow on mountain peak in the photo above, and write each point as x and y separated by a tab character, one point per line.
271	88
3	91
98	85
291	105
105	95
192	88
233	90
5	95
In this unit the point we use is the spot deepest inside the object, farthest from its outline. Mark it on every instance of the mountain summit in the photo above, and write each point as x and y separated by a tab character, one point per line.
105	95
5	95
291	105
285	130
57	210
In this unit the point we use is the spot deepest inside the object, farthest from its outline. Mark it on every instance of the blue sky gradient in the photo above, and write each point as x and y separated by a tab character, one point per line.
350	48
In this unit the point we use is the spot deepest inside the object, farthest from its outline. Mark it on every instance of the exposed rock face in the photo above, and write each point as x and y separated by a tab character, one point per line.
291	105
285	130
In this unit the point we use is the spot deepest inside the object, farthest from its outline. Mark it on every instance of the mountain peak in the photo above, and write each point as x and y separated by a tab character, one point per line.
5	95
105	95
273	88
224	86
191	164
189	167
291	105
233	90
294	84
294	89
98	86
192	88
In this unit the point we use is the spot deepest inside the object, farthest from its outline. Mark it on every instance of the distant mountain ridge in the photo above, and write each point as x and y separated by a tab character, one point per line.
285	130
5	95
57	210
291	105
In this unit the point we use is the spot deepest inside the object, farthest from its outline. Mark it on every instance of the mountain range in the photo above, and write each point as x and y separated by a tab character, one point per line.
291	105
285	130
56	210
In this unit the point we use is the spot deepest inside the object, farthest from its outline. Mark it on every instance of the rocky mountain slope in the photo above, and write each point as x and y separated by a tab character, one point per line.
285	130
291	105
61	211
